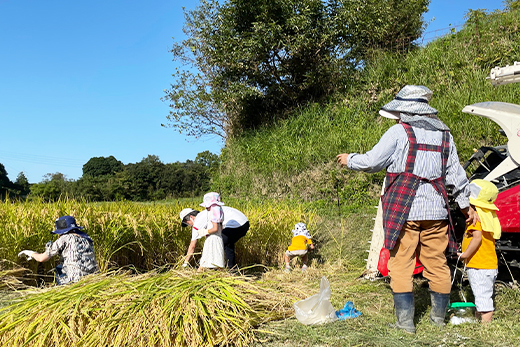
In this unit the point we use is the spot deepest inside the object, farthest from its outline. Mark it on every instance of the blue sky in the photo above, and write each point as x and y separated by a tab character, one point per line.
82	79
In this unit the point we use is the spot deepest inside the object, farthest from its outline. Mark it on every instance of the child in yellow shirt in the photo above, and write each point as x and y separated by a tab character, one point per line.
298	248
478	247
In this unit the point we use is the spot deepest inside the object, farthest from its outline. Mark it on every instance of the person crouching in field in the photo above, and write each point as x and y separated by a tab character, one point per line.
478	247
298	248
75	247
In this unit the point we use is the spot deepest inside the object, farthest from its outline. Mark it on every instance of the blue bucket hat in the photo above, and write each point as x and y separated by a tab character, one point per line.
65	224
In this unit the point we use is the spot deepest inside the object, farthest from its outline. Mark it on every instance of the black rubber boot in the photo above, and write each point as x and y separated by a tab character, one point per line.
404	311
439	305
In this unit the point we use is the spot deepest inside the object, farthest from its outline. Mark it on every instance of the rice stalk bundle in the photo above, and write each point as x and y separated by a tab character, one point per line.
10	279
175	308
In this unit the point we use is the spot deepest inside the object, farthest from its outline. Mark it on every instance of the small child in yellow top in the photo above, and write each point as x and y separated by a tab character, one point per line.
298	247
478	247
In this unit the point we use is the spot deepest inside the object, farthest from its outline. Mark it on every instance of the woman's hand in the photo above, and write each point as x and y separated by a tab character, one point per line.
342	159
28	254
41	257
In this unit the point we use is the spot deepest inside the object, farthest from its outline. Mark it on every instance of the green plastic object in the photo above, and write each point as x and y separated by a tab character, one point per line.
461	305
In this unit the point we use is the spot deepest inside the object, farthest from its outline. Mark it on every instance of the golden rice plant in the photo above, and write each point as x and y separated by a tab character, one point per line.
124	233
270	232
142	235
174	308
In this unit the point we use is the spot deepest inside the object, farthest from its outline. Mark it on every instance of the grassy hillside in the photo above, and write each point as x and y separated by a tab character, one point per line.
296	158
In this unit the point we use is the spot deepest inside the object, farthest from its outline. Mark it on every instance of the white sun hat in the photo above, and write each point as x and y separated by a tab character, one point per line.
211	199
183	215
412	100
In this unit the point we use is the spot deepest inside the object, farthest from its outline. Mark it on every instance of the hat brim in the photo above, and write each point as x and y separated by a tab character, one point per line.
389	114
213	203
482	204
66	230
412	107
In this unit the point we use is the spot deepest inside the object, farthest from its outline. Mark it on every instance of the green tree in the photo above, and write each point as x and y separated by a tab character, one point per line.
22	185
99	166
512	5
53	186
143	179
208	159
250	63
368	25
5	182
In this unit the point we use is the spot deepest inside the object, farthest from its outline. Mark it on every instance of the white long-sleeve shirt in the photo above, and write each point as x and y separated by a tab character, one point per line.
391	153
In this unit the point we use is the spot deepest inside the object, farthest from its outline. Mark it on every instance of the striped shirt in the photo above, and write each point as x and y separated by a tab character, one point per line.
391	153
79	258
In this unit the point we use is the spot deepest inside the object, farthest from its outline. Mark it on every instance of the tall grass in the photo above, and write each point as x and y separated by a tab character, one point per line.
144	236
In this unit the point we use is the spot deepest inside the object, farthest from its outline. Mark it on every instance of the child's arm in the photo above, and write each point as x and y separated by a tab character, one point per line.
215	228
474	244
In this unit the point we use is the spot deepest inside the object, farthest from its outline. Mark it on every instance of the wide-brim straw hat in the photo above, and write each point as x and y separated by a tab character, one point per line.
412	100
483	194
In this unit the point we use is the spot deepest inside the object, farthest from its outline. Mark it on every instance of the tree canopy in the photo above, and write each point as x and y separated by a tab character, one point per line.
99	166
246	64
108	179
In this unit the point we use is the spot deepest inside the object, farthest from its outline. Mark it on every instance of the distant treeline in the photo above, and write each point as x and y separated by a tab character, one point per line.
108	179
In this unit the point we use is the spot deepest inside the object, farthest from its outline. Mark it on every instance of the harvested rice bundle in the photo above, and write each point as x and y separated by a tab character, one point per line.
176	308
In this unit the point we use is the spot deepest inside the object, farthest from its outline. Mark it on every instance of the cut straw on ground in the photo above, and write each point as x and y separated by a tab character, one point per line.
174	308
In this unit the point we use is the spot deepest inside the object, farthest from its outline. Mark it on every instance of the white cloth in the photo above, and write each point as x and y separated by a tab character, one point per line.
213	251
233	218
482	282
301	229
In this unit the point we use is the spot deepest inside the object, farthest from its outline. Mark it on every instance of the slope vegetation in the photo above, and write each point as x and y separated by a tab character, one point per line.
296	157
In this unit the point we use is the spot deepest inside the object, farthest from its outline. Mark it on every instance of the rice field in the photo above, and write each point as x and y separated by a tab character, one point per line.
140	297
168	306
143	236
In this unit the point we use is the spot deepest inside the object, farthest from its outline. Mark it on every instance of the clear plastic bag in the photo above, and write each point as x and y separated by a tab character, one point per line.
316	309
461	312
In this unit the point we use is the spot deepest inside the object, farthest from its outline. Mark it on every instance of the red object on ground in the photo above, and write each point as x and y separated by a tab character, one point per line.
382	264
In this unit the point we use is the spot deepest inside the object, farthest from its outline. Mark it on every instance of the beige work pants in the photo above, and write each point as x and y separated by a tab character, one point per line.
429	239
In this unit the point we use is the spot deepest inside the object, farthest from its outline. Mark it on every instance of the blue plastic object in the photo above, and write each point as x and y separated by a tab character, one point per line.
348	311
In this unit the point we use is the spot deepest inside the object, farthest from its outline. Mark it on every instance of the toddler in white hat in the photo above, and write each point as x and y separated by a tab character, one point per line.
298	248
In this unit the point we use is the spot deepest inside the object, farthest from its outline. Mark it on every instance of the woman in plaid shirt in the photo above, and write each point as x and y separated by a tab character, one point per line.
75	247
421	159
